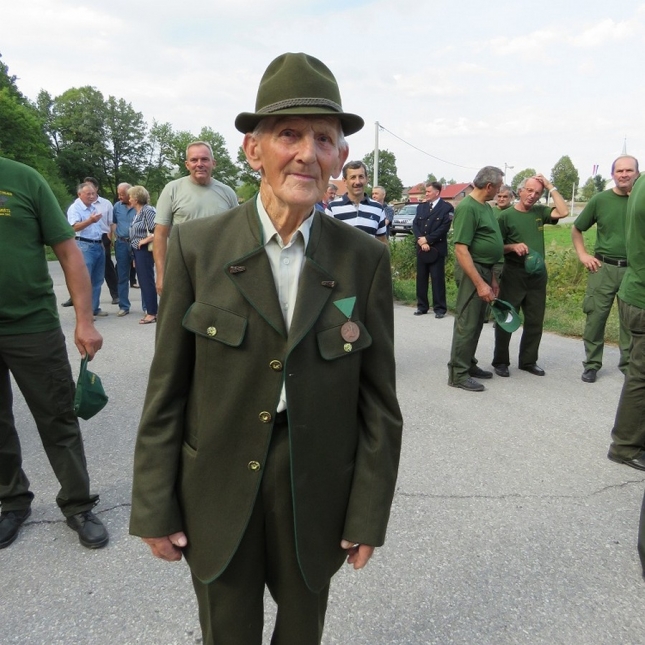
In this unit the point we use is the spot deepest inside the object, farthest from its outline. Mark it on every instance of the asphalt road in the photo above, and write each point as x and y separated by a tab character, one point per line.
509	524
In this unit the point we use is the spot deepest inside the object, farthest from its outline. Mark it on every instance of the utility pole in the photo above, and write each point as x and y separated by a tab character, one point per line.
376	154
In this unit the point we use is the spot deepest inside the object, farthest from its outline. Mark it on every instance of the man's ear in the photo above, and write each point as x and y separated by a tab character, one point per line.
343	153
214	164
251	147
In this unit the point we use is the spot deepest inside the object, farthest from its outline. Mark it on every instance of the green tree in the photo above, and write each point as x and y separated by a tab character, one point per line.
430	177
588	190
159	151
599	183
249	179
565	177
387	173
521	176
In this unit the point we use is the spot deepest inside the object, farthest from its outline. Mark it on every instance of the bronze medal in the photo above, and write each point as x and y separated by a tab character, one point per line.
350	331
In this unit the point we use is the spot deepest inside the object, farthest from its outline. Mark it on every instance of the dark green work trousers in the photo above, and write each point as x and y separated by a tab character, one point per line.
628	434
470	311
40	367
528	293
602	287
231	607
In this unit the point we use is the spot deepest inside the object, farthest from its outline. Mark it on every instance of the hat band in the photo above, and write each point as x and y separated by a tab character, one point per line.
300	102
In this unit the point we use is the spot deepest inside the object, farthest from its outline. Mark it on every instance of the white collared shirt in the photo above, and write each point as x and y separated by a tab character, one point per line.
286	262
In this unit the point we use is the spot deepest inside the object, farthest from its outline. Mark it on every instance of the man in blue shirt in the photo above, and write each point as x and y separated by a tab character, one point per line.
122	215
86	222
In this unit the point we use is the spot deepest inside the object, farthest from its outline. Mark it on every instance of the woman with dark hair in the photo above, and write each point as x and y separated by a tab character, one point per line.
141	237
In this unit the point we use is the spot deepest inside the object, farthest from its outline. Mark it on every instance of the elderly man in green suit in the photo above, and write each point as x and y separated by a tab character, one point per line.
269	443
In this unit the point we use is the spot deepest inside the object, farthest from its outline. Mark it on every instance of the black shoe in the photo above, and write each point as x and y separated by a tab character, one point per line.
637	462
10	523
67	303
534	369
502	370
470	385
418	312
478	372
115	301
91	532
589	376
439	315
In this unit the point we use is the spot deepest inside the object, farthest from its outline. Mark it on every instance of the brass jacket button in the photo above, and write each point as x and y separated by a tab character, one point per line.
211	331
254	466
265	417
276	366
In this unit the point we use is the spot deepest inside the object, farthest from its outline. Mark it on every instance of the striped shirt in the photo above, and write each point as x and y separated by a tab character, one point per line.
367	216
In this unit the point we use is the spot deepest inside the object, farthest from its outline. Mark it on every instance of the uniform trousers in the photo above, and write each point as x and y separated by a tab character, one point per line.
435	270
528	293
628	434
469	320
602	287
40	367
231	607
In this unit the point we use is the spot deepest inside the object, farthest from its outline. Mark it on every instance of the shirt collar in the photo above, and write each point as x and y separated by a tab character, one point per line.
269	231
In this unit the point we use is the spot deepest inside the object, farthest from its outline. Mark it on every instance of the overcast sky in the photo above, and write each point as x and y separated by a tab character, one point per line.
469	82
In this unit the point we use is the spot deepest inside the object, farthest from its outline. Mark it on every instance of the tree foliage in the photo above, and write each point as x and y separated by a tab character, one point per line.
588	190
565	177
387	173
521	176
599	183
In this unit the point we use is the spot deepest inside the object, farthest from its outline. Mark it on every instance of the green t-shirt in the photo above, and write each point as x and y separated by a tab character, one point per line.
607	210
632	288
517	226
30	217
498	211
475	225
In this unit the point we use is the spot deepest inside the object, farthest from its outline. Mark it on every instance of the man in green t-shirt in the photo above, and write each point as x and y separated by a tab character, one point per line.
608	264
32	348
503	199
522	228
628	434
478	246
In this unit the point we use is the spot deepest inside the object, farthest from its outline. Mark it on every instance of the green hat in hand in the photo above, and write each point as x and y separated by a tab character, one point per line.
90	396
505	315
534	263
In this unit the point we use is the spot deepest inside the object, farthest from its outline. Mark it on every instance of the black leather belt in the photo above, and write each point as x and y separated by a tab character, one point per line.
85	239
616	263
122	239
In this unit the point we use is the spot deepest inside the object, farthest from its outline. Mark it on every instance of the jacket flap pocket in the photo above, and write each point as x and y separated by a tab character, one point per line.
332	345
215	324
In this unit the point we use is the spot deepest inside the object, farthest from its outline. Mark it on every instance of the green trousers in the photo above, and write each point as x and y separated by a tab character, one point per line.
528	293
40	367
469	320
231	607
628	434
602	287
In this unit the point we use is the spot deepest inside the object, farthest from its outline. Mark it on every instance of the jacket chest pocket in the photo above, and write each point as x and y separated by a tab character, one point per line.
215	323
332	345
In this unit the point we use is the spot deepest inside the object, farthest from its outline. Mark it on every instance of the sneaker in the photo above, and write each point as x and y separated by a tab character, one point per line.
100	313
123	312
91	531
10	523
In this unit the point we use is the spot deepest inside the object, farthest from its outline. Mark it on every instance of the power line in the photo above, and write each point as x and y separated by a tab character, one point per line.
424	152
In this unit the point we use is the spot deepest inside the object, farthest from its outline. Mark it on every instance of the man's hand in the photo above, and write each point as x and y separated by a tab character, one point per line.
592	263
87	339
94	217
520	248
359	554
485	292
169	547
544	181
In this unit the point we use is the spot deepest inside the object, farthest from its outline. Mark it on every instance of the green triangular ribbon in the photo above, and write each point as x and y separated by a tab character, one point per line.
346	306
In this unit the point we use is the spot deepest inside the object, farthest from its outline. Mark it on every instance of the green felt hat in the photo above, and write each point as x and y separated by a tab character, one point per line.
298	85
534	263
505	315
90	397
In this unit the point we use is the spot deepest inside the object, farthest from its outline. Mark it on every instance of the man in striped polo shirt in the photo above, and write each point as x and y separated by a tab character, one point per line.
355	207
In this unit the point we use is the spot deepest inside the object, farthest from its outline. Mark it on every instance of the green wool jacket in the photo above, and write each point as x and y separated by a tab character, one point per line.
222	353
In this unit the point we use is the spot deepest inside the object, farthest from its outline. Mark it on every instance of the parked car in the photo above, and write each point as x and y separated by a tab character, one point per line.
402	222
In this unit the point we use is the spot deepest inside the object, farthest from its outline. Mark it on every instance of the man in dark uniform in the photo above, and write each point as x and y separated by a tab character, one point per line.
430	227
522	228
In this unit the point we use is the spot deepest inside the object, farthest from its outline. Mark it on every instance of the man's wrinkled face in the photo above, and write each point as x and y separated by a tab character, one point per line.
378	194
624	174
531	192
431	193
356	180
330	194
296	156
122	194
503	199
88	195
200	164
